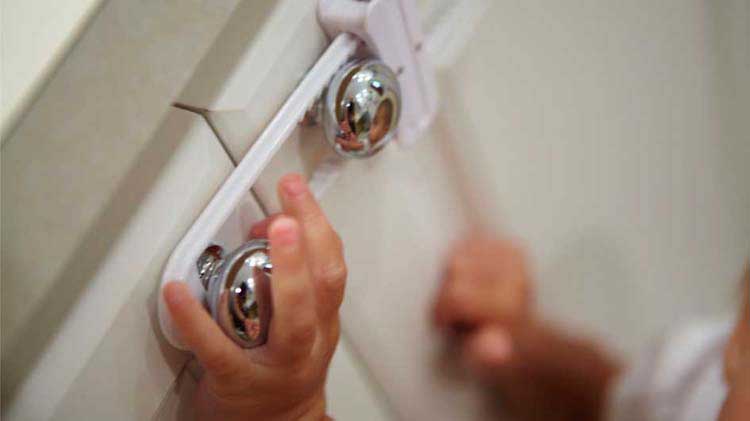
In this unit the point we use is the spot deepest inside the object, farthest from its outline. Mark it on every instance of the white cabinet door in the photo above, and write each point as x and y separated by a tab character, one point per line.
608	135
582	130
100	357
100	179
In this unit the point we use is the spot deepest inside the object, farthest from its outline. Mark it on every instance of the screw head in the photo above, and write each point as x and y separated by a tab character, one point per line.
207	263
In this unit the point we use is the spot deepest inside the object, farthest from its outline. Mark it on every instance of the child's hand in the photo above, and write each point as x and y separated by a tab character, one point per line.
539	372
486	286
283	379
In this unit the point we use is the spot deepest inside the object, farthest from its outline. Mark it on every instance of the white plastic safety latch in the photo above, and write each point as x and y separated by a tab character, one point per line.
390	30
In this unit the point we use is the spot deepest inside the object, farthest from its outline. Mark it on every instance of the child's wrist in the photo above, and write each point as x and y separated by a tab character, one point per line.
209	406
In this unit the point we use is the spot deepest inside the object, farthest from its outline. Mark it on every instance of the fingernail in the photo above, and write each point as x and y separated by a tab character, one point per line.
284	231
495	348
294	185
173	293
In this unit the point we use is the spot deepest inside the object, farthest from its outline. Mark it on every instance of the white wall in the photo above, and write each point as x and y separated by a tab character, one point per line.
613	138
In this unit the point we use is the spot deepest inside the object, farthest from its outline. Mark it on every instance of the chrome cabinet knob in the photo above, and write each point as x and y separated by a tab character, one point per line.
361	108
239	290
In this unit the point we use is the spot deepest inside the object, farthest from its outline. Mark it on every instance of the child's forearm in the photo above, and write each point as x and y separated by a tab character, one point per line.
210	408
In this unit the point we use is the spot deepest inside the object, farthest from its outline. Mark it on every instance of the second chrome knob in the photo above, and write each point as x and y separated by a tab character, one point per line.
361	108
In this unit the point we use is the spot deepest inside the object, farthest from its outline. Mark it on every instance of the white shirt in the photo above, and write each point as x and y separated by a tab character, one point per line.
678	379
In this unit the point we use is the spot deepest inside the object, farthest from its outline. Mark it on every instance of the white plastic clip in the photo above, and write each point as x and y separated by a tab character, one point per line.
390	29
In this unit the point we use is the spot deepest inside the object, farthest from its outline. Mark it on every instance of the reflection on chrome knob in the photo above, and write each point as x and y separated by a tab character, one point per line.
238	291
361	108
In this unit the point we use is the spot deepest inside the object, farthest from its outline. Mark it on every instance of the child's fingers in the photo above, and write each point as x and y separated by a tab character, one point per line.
456	304
488	349
455	297
260	228
323	245
293	326
481	285
216	352
462	304
457	300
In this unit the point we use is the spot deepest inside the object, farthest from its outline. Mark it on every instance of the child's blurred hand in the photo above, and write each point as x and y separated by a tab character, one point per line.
540	373
486	291
284	379
737	362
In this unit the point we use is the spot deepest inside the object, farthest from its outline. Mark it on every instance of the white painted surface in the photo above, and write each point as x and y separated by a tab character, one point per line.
105	359
255	65
75	173
350	394
128	346
88	134
36	34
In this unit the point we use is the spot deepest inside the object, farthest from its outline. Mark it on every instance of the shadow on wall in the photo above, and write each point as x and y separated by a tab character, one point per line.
23	350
